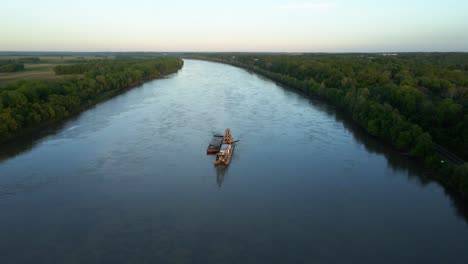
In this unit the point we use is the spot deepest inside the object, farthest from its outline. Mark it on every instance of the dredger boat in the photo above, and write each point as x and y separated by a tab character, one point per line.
223	157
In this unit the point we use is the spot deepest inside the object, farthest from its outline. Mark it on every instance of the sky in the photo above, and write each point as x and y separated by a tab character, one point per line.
239	25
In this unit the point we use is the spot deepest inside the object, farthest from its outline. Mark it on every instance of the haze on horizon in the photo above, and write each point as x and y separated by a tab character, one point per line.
256	25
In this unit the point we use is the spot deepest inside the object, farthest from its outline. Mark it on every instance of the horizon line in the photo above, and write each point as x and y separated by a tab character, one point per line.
233	51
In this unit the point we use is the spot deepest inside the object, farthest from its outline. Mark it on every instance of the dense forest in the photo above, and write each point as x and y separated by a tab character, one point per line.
418	103
29	104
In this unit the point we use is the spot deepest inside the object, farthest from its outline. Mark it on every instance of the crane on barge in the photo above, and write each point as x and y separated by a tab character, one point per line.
223	157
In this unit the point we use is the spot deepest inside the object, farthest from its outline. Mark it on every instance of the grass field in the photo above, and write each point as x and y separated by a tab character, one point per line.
42	69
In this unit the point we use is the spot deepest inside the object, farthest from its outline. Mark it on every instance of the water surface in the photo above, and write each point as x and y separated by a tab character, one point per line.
129	182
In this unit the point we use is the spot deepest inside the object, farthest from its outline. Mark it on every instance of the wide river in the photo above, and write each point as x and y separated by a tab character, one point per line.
129	181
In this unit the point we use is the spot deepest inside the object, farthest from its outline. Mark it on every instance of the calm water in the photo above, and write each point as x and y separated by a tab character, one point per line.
129	182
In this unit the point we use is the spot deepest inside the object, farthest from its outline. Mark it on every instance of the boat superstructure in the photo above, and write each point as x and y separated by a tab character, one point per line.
223	157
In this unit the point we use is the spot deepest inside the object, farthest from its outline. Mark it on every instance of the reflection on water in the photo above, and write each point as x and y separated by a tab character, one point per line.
221	172
27	142
129	181
396	161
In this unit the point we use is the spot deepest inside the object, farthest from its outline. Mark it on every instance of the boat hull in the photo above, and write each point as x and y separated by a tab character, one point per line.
215	145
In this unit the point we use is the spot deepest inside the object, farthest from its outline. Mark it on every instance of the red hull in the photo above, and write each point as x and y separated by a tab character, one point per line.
215	145
212	151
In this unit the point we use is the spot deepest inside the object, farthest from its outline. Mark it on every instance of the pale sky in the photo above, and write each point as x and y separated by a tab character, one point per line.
255	25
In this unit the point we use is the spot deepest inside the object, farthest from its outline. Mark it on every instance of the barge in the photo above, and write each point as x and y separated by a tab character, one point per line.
223	157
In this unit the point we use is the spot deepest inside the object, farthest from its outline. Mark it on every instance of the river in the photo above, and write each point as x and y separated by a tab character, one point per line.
128	181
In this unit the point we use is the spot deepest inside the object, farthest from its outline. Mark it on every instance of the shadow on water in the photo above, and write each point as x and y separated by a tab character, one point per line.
395	160
221	173
28	141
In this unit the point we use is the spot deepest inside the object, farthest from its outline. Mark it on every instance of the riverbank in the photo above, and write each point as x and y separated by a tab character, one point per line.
28	106
453	175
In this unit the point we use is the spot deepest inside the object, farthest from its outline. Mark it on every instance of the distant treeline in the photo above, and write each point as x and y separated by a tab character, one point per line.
11	67
16	65
28	60
411	101
72	69
29	104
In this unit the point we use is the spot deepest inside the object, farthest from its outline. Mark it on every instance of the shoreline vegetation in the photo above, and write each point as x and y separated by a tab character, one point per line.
27	106
409	102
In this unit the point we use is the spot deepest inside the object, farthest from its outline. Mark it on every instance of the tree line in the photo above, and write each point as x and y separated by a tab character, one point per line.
16	65
27	105
411	101
78	68
11	67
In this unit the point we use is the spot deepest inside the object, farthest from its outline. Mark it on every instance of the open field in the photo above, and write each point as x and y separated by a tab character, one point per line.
32	71
56	58
42	69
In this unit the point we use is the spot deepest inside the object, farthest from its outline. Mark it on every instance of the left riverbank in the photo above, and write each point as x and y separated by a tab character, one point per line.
28	106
